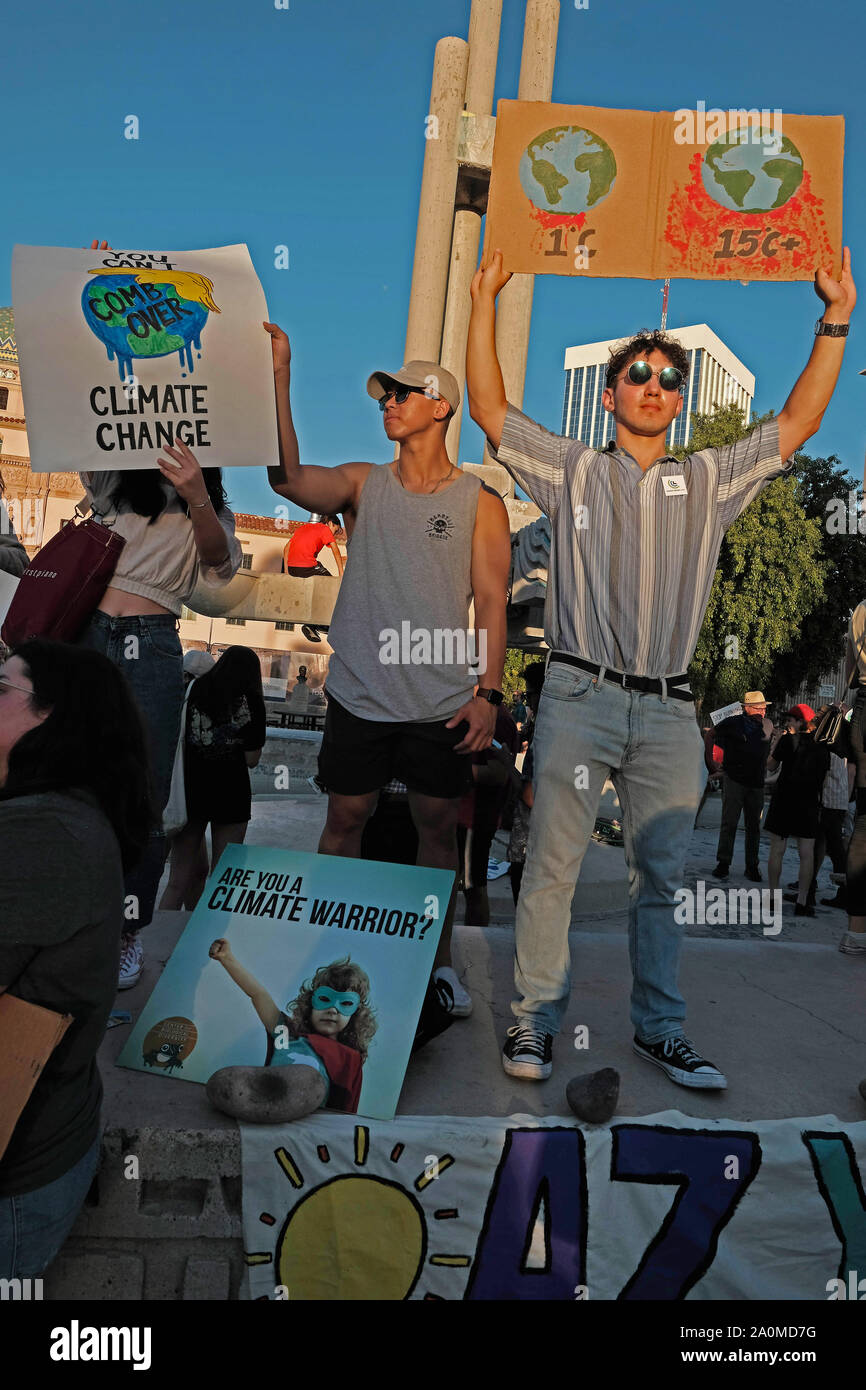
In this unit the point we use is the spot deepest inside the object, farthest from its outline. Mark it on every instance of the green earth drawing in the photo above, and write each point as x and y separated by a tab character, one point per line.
567	169
745	175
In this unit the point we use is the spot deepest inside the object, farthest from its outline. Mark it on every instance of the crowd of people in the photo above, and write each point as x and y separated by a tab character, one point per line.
89	731
811	764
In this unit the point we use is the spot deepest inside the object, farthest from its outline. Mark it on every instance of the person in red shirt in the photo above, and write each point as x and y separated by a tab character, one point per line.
301	554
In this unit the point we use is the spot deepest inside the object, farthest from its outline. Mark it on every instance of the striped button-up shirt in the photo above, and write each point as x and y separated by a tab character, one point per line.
632	559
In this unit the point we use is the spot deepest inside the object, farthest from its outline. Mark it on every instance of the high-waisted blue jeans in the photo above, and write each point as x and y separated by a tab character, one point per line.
589	729
148	651
34	1226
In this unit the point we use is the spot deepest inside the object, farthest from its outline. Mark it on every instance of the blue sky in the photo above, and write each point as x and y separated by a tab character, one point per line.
305	127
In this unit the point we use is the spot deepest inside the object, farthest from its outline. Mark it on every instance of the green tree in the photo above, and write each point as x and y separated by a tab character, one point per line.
512	676
824	491
770	573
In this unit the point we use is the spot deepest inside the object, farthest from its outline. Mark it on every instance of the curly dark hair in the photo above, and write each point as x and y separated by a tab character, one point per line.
641	345
339	975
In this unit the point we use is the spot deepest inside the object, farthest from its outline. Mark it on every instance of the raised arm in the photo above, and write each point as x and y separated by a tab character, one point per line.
327	490
485	390
804	408
262	1002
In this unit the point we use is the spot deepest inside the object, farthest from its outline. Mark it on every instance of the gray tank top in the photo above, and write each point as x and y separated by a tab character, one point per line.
400	630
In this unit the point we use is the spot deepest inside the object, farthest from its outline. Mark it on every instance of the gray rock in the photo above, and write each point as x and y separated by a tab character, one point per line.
594	1095
862	1088
266	1095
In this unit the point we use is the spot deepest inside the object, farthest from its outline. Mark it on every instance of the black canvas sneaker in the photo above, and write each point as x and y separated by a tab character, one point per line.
678	1058
437	1013
528	1052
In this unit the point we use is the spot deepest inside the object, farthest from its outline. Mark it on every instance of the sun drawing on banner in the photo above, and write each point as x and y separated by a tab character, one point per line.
357	1236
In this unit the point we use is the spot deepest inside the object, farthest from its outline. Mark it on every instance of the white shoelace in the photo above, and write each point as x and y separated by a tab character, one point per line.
683	1050
527	1038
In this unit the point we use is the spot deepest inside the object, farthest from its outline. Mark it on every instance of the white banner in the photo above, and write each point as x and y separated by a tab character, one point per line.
123	352
663	1207
717	715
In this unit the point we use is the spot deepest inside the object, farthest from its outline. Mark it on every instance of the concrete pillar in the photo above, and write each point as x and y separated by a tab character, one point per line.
464	260
484	21
484	24
436	204
515	302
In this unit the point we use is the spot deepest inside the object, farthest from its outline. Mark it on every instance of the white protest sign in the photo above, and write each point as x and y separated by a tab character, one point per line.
124	352
717	715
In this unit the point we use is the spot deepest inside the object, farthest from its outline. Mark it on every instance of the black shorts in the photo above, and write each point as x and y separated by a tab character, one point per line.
305	571
362	755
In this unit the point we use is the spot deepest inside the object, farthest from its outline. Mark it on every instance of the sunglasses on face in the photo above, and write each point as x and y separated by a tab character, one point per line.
401	394
670	378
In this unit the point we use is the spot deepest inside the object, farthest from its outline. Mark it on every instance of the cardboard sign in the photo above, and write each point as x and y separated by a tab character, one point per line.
660	1207
28	1036
295	923
124	352
708	195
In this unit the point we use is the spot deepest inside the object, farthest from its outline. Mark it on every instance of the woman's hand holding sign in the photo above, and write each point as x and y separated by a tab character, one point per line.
186	477
184	474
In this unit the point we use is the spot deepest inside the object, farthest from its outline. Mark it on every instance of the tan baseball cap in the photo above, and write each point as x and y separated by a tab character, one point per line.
430	376
755	697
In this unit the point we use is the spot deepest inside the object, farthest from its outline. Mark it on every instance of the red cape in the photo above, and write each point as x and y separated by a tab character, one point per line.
344	1068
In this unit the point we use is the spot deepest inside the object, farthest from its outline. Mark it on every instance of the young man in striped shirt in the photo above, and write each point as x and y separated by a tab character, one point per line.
635	536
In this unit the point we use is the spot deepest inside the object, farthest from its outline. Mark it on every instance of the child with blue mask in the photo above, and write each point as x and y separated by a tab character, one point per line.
315	1050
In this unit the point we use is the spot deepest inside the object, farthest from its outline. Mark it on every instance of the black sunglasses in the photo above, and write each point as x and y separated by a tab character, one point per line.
401	394
670	378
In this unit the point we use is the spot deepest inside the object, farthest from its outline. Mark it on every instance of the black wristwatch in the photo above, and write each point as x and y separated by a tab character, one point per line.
493	697
831	330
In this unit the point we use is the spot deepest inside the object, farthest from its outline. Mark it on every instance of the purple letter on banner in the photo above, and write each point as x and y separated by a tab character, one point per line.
710	1186
541	1177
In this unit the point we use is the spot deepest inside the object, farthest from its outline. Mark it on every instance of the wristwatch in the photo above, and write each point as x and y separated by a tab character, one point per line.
493	697
831	330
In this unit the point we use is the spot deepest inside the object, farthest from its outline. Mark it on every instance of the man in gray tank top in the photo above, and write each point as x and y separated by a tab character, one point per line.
404	700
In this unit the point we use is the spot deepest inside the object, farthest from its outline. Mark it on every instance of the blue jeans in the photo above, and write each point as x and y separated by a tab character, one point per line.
34	1226
147	650
589	729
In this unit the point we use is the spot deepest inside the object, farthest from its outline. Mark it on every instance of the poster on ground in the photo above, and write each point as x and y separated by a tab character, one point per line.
298	959
664	1207
125	352
704	194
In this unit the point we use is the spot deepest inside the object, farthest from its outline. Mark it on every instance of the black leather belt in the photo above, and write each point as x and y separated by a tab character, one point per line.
648	685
